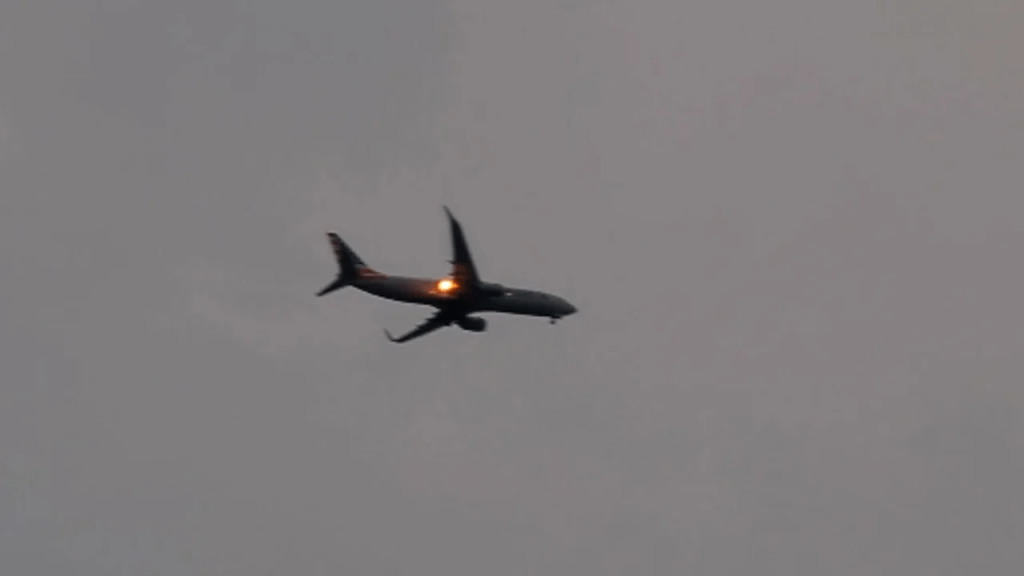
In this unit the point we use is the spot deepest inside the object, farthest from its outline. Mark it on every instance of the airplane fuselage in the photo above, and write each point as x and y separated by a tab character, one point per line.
494	299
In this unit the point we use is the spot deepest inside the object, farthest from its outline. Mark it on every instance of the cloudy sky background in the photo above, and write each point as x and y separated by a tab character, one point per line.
794	230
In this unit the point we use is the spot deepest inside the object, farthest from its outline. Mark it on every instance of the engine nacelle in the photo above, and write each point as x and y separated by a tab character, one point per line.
472	323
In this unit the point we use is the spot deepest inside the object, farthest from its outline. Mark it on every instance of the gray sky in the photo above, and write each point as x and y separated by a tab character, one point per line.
793	230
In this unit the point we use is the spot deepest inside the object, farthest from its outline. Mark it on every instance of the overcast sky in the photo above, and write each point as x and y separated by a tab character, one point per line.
794	230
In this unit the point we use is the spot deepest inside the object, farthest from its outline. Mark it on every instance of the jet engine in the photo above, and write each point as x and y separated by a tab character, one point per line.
472	323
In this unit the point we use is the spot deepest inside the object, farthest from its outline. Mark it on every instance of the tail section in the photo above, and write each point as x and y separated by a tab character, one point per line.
337	284
350	265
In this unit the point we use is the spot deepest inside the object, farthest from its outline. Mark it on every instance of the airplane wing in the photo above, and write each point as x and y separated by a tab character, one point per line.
439	320
463	269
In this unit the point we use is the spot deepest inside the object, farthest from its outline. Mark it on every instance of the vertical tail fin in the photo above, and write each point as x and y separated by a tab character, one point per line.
349	264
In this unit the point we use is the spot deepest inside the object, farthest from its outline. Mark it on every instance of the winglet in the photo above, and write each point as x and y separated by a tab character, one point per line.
390	337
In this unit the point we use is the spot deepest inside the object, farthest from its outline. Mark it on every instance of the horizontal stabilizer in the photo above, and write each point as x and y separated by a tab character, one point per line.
336	285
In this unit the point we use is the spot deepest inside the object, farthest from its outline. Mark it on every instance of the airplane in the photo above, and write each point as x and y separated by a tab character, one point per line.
456	296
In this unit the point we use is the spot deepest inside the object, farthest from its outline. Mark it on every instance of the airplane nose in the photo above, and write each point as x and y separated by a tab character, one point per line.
569	308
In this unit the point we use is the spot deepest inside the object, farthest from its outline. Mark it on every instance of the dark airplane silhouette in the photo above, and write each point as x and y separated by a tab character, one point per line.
456	297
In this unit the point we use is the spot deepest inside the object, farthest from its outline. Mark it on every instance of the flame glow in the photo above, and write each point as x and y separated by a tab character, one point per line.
445	285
